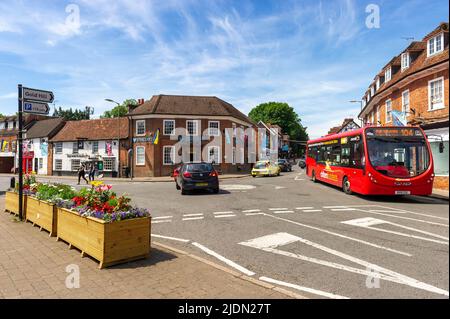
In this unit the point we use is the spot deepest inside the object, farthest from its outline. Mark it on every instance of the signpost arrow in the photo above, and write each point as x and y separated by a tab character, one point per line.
37	95
36	108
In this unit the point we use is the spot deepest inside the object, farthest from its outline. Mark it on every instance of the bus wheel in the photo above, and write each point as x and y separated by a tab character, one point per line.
346	186
313	176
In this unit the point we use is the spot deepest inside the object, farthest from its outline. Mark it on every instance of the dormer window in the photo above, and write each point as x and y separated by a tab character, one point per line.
388	74
378	83
405	61
372	90
435	45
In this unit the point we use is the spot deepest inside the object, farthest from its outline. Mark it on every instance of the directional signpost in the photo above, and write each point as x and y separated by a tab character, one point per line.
35	102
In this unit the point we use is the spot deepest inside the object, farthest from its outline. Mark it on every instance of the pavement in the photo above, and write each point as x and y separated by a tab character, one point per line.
308	238
33	265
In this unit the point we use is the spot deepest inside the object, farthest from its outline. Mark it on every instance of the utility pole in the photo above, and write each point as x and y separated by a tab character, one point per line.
20	143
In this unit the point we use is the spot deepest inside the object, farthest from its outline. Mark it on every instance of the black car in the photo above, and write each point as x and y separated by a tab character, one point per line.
284	165
197	176
302	162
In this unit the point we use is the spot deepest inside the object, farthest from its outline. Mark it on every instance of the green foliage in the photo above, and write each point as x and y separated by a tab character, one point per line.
51	193
278	113
120	110
72	115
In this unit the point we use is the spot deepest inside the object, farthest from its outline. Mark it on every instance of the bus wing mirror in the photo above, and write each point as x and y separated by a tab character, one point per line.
441	147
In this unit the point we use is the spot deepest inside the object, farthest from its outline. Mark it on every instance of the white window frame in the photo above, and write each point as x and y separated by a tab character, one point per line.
406	109
441	105
95	149
75	150
388	120
378	83
59	145
405	61
71	164
112	167
58	160
433	46
217	148
372	118
218	128
172	148
41	163
164	127
138	122
372	90
388	74
195	133
138	162
378	115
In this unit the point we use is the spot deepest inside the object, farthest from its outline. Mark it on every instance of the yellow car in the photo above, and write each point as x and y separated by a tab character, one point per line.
266	168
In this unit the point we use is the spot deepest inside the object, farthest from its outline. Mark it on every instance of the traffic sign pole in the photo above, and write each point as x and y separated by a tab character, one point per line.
20	143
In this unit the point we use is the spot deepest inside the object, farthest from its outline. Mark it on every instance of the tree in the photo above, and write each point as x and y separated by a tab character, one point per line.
120	110
71	115
281	114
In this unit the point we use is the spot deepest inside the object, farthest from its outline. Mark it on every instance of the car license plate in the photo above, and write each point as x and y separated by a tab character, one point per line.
201	184
402	193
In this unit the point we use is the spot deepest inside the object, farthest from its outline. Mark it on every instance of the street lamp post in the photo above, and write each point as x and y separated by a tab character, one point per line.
118	138
361	104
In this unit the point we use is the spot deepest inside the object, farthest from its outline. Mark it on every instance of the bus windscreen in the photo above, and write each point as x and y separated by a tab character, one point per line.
398	152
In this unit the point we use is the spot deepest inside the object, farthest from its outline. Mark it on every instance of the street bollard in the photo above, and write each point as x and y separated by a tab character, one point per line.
12	183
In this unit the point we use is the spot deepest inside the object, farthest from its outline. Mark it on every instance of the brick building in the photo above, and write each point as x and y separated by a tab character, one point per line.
415	85
102	142
201	119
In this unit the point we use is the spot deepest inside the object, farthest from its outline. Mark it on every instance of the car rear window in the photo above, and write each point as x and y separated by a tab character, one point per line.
261	165
199	168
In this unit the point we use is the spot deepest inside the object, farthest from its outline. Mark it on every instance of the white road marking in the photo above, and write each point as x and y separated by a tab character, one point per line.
312	210
335	207
253	214
171	238
251	210
284	212
161	221
270	242
223	213
192	215
162	217
225	260
301	288
403	217
237	187
225	216
342	209
414	213
300	208
277	208
341	236
192	218
279	187
369	221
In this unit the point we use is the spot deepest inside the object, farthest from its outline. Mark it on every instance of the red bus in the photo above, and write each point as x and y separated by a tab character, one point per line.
373	161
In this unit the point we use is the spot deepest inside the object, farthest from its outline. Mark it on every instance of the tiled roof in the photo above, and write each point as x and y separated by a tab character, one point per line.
189	105
422	62
45	128
93	130
442	27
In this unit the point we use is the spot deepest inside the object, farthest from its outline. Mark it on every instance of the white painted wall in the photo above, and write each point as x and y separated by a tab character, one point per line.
35	146
87	152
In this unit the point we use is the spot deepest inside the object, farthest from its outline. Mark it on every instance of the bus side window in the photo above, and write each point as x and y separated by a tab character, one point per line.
345	155
356	153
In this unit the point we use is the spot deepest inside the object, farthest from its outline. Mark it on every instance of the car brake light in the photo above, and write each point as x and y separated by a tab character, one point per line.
213	174
187	174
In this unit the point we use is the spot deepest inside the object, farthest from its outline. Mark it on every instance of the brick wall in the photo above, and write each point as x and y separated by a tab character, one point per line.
154	153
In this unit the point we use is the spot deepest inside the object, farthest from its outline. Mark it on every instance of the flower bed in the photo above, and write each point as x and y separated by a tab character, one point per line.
94	220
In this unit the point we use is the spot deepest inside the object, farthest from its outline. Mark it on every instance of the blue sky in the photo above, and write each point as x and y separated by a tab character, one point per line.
315	55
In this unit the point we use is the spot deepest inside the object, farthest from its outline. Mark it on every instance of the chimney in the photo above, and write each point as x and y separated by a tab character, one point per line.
141	101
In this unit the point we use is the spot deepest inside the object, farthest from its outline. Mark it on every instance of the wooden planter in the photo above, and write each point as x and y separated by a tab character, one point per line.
109	243
42	214
12	203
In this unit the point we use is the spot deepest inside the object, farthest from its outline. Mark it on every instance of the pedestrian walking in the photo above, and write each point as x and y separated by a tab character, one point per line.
81	174
92	172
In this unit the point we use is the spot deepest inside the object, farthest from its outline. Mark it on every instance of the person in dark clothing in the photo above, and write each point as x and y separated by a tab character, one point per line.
81	173
92	172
